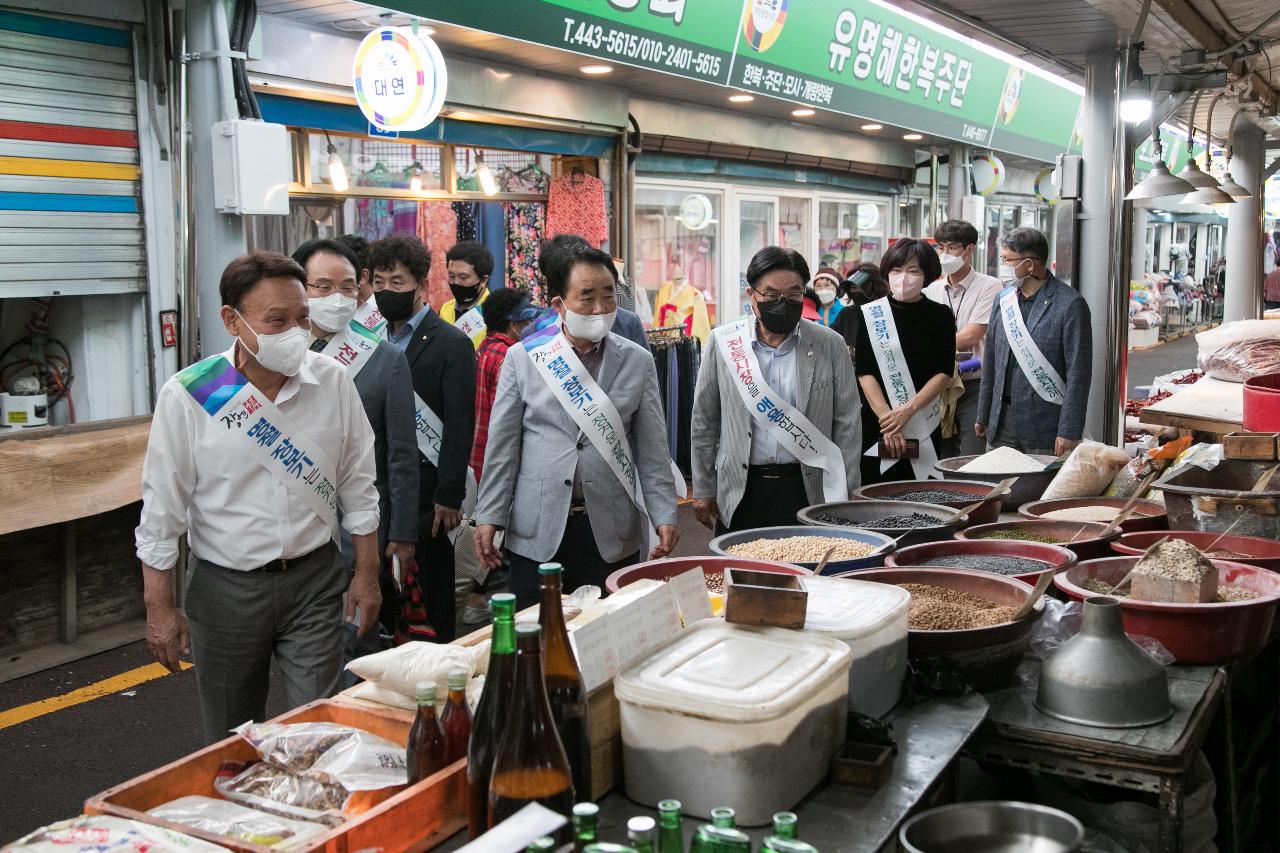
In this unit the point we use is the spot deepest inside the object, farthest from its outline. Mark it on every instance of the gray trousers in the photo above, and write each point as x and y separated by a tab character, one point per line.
239	620
964	442
1006	437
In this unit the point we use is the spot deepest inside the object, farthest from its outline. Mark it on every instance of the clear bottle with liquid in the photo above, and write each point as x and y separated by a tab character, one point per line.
492	712
427	751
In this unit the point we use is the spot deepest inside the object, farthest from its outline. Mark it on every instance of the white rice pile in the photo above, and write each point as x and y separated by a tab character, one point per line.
1003	460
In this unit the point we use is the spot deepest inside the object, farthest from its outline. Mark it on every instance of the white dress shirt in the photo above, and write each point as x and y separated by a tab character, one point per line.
197	480
779	368
971	300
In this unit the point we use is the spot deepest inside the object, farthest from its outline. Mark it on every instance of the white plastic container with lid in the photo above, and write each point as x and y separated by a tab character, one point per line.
731	715
871	619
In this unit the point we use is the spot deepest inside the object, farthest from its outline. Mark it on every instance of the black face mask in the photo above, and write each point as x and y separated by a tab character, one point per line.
465	295
396	306
779	316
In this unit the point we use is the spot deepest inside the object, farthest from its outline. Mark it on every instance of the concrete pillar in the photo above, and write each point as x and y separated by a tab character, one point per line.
1102	256
219	237
958	182
1138	252
1243	298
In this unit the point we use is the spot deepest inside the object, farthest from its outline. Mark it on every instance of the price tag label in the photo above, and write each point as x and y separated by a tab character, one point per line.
597	658
690	590
630	632
661	616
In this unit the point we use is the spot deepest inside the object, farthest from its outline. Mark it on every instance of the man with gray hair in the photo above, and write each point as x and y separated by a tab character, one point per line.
1039	355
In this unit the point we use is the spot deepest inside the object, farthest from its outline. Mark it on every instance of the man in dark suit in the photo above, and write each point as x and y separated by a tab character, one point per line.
382	379
442	364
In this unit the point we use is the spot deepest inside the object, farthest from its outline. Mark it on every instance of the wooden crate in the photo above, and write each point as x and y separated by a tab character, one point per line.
399	820
1260	446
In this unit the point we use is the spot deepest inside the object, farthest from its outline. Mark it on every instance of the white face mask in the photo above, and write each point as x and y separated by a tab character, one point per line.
283	352
591	327
1009	276
951	264
332	313
826	297
905	286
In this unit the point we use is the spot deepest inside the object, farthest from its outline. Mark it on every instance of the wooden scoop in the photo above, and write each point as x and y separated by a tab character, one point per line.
1265	478
1042	583
1127	509
996	491
826	558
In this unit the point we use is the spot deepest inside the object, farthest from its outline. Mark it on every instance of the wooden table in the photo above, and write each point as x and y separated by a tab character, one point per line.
1153	759
1209	406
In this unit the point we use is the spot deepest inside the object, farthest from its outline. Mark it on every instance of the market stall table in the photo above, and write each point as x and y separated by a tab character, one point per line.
1210	406
1152	759
852	820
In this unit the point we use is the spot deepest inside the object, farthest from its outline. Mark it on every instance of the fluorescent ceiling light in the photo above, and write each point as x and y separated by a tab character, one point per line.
741	99
912	137
596	70
872	126
803	113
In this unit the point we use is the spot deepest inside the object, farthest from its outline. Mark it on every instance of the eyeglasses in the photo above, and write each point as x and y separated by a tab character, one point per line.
323	287
1015	261
770	296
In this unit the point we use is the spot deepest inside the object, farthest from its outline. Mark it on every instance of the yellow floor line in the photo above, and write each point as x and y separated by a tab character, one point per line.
106	687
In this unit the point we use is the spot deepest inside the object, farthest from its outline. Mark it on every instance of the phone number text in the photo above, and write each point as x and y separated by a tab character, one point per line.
652	51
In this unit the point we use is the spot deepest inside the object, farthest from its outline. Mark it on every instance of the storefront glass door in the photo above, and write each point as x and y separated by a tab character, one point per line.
850	232
757	227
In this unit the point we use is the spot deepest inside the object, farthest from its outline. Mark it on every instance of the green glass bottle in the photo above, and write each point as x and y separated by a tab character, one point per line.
785	825
640	832
774	844
605	847
586	824
720	839
670	827
545	844
492	712
724	817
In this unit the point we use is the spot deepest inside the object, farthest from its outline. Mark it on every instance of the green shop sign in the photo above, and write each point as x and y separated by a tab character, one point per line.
862	58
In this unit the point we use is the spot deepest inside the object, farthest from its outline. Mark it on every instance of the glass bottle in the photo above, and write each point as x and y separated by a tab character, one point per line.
605	847
640	832
456	719
785	825
586	823
564	679
670	827
545	844
491	712
426	753
530	765
724	817
720	839
774	844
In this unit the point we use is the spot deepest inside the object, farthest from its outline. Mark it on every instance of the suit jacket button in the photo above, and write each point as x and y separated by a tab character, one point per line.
581	445
744	465
568	482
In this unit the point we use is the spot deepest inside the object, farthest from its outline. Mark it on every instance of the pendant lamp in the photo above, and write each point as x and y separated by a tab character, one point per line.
1207	195
1160	183
1229	185
1192	173
1213	194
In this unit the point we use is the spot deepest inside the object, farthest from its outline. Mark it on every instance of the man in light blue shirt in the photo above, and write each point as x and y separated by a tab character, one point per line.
778	364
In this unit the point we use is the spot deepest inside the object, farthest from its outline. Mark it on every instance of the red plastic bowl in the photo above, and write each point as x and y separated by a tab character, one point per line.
1057	557
1262	403
659	569
1254	550
1193	633
1079	537
986	514
1147	515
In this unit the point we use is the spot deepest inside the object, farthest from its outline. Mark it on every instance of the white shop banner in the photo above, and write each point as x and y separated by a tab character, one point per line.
900	388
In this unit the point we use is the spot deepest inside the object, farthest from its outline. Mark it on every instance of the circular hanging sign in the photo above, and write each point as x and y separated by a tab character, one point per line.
987	172
1046	190
696	212
868	217
399	79
762	22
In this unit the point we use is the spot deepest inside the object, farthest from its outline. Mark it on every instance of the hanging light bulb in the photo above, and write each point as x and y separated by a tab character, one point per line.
1160	182
1192	173
1213	192
415	179
485	176
1229	185
337	169
1135	104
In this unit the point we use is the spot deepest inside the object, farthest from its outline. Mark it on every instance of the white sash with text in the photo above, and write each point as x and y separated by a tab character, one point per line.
900	388
1046	381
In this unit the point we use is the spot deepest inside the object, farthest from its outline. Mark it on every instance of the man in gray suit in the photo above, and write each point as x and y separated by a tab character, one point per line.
386	391
546	482
1046	418
745	474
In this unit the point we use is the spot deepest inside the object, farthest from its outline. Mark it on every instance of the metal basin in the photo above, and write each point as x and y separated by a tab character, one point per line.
992	827
1055	557
883	544
1147	515
671	566
1079	537
1027	488
972	490
858	512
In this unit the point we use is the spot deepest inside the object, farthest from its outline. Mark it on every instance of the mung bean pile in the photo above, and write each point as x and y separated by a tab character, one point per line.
1018	535
997	564
935	608
903	521
802	549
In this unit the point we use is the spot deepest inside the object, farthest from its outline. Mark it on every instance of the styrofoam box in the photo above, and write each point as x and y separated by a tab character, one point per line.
871	619
732	715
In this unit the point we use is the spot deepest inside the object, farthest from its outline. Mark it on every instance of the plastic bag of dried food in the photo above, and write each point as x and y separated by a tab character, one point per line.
401	668
1087	472
1242	360
231	820
330	753
1145	464
106	834
263	786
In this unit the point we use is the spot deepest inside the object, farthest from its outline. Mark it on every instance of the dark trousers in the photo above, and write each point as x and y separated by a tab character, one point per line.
579	555
434	556
774	494
240	620
965	442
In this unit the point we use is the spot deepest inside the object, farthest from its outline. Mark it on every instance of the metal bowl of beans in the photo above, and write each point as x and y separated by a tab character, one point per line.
1028	487
987	656
1024	561
1083	538
1147	515
803	546
952	493
909	522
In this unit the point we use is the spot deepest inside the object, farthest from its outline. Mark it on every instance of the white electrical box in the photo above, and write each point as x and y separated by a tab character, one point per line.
252	167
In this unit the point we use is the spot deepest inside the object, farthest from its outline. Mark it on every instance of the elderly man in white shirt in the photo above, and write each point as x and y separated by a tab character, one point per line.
254	453
970	295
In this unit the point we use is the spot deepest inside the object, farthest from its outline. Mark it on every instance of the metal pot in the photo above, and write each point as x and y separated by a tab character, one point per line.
1102	678
991	827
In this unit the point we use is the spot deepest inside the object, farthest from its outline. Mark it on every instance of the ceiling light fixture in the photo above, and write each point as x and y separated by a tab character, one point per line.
1135	103
1192	173
485	176
912	137
337	169
1160	183
741	99
1229	185
415	179
805	112
872	126
596	70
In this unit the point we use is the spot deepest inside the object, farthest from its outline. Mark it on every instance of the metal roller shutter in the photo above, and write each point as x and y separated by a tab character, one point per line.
70	209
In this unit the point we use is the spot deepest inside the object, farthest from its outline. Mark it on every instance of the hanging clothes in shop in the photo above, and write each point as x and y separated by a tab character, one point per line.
373	218
680	303
491	230
525	224
466	211
438	229
676	358
576	205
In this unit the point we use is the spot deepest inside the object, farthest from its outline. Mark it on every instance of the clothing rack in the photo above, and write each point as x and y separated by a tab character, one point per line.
666	333
676	358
